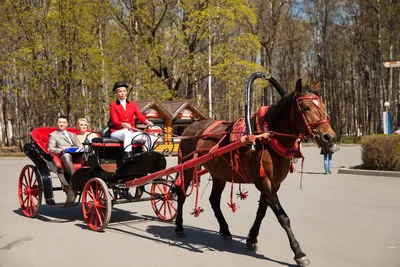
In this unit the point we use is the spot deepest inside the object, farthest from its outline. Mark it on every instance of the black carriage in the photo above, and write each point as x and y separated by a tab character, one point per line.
98	181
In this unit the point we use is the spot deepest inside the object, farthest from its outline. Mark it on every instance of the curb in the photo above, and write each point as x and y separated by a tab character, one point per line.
355	171
14	158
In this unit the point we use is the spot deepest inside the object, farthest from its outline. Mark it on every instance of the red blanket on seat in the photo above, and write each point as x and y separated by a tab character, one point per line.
41	138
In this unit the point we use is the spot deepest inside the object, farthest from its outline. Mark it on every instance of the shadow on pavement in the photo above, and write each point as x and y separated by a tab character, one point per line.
197	240
71	214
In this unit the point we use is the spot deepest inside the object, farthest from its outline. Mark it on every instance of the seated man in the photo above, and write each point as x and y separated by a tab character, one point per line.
59	140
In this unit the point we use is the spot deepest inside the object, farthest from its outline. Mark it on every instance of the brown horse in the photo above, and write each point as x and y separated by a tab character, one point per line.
298	114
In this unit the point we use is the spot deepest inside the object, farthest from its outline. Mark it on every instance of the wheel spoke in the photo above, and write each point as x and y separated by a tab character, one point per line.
30	205
99	217
165	188
101	206
34	182
161	206
171	205
91	193
87	209
33	203
170	212
97	192
165	210
92	217
31	171
159	188
26	181
96	219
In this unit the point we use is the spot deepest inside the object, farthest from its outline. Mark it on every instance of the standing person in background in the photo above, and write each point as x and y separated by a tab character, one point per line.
122	113
328	152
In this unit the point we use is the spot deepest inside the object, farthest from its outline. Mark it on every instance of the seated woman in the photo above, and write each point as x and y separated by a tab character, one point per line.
82	126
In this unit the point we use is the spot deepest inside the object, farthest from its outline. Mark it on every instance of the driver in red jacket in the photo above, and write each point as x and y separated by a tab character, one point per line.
122	113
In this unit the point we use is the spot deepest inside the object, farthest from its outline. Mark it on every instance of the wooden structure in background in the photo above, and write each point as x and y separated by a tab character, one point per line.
172	116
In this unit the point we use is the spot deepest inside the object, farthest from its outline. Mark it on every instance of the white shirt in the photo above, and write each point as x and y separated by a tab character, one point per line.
123	103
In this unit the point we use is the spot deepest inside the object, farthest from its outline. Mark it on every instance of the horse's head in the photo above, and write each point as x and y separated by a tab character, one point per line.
308	115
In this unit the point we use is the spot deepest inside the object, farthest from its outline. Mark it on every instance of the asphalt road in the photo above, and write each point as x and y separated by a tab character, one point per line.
339	220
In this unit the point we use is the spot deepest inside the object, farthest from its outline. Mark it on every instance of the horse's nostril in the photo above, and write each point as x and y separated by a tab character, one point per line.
326	138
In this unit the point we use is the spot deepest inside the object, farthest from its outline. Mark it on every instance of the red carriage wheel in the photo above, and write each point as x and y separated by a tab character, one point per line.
165	206
96	204
30	191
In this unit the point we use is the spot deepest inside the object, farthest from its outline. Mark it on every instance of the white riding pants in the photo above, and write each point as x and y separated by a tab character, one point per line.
129	137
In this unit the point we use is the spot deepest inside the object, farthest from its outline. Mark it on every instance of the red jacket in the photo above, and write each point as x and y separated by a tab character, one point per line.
119	115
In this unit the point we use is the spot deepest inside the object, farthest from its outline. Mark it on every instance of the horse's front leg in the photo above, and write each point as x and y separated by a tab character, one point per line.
181	194
252	241
179	231
299	256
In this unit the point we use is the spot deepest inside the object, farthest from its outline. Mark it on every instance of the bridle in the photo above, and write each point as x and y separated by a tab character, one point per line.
309	125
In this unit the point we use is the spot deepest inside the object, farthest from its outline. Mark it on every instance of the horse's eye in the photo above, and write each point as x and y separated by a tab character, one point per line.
306	108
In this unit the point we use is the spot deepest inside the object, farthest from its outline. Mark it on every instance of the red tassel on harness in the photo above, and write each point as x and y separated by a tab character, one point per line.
232	206
262	172
242	195
291	167
196	212
178	181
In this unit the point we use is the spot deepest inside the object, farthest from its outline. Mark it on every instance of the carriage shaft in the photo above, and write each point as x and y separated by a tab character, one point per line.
190	163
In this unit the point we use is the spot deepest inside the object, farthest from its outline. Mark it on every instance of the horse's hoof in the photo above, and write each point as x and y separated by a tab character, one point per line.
180	234
303	261
251	246
226	237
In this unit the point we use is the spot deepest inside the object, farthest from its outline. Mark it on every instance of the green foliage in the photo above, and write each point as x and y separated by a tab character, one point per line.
351	140
381	152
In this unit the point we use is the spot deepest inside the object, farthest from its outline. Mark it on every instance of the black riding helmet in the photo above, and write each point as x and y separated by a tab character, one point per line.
118	85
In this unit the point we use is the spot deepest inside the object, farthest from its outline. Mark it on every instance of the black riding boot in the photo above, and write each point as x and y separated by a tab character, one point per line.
48	191
139	192
127	194
127	155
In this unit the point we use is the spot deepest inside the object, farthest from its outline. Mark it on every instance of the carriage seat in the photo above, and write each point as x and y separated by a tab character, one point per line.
105	140
41	138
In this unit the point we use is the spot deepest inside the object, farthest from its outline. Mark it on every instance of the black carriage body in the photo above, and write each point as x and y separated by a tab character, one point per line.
102	151
104	168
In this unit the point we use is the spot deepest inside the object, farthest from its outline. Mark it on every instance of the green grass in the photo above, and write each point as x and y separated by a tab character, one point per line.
350	140
12	154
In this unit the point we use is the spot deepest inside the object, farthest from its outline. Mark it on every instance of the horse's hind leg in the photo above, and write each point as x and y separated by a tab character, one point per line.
215	200
299	256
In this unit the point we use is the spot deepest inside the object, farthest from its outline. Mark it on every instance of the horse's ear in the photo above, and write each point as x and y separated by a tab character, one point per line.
299	87
317	86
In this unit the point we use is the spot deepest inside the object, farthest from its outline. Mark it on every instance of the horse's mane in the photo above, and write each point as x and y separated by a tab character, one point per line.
278	109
